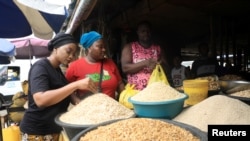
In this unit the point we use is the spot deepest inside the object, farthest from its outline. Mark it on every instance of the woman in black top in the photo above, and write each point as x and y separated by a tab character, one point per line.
49	92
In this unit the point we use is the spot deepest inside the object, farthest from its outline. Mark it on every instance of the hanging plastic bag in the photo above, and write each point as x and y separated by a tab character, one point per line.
158	75
128	92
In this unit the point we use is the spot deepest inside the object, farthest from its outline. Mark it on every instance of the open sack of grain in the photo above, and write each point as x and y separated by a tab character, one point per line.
213	84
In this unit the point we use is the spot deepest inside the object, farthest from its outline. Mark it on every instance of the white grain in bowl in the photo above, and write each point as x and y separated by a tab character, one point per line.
95	109
156	92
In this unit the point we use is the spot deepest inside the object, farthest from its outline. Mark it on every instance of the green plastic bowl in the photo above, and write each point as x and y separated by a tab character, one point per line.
164	109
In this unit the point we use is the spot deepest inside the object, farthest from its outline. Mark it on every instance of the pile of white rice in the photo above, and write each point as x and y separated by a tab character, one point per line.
156	92
217	109
95	109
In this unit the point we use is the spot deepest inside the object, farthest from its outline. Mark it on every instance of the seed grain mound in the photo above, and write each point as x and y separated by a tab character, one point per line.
95	109
139	129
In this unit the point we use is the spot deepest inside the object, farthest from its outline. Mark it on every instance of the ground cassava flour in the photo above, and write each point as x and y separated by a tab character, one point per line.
217	109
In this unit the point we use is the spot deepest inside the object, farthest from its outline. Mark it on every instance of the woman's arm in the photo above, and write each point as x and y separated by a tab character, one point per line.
128	67
51	97
121	87
75	99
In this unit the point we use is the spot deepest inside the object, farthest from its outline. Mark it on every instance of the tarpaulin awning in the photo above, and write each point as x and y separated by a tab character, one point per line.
28	48
20	18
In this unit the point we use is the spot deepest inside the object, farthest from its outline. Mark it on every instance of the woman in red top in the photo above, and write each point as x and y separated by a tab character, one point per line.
91	66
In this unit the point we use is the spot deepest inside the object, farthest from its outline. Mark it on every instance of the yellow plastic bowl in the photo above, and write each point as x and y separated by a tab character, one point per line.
197	90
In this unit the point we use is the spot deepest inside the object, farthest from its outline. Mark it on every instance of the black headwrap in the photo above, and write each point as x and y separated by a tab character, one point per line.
59	40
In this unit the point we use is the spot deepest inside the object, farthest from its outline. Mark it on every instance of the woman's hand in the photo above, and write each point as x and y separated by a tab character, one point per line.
87	84
74	99
151	63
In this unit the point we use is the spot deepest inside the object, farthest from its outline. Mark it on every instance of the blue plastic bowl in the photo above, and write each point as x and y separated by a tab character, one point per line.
164	109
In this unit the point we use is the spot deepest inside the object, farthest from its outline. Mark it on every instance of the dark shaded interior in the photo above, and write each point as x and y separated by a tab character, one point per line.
178	26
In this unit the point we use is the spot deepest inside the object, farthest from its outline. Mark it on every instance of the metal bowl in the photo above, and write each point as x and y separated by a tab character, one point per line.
229	87
73	129
202	136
